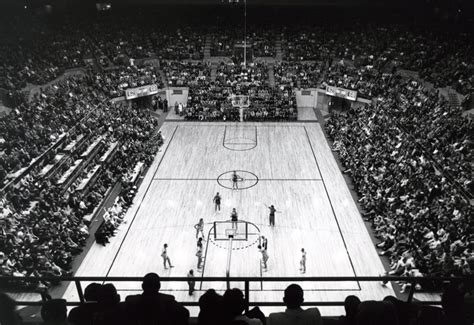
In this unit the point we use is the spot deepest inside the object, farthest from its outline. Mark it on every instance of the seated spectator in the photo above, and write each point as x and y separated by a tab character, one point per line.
210	308
152	307
8	314
234	306
54	312
294	314
109	309
376	313
82	314
429	315
452	301
406	312
351	304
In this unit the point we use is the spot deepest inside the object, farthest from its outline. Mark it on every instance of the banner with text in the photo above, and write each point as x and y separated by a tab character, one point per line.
141	91
341	92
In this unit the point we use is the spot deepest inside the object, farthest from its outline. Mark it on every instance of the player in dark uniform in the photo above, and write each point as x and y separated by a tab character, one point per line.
217	202
264	243
235	180
234	218
272	215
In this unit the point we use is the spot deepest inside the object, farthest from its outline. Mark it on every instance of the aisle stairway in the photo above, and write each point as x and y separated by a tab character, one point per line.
164	80
207	47
271	76
453	99
279	52
213	71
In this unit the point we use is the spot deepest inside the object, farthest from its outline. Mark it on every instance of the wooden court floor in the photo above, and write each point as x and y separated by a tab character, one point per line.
289	165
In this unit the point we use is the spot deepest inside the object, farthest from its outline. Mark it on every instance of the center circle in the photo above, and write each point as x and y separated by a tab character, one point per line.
245	180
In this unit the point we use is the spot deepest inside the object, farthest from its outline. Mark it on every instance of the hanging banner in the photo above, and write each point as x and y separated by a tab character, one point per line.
341	92
141	91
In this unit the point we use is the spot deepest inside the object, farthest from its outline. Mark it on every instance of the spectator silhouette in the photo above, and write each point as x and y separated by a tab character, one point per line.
210	308
8	314
405	311
54	312
452	301
109	310
351	303
234	306
152	307
376	313
429	315
83	314
294	314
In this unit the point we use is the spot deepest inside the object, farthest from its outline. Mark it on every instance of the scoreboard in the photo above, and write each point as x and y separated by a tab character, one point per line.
141	91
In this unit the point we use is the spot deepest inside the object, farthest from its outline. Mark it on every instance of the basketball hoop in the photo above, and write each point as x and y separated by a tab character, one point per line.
240	101
230	233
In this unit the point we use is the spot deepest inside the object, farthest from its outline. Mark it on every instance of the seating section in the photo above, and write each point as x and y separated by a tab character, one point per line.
65	146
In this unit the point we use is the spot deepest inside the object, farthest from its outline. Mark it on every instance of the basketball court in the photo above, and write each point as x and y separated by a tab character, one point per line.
289	165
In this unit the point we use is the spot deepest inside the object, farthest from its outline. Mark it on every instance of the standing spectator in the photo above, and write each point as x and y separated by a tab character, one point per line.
164	255
294	314
191	282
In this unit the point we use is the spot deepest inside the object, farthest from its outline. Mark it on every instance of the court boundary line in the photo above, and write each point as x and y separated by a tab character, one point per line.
332	208
207	241
142	199
253	144
260	179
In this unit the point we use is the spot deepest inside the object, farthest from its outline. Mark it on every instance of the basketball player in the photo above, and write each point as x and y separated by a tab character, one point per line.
164	255
200	229
272	215
303	261
263	251
235	181
199	258
264	242
217	202
199	243
191	282
234	218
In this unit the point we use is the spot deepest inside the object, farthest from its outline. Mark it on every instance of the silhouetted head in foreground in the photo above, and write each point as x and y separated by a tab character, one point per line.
294	296
151	283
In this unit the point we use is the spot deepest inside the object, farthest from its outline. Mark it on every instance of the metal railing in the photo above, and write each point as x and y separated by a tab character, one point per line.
245	280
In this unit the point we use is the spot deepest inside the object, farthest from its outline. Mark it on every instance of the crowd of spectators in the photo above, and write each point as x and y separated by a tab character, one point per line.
421	218
114	82
213	100
26	59
186	74
42	219
409	154
103	306
289	75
